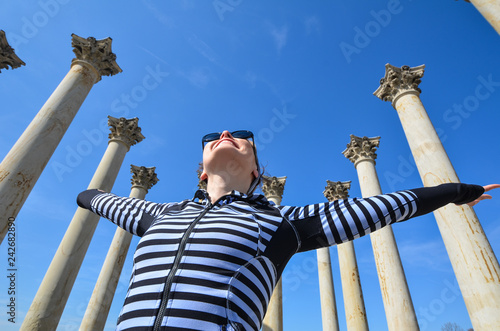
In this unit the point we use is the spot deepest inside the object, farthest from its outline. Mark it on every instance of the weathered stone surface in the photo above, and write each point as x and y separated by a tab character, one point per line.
395	293
490	9
52	296
463	235
21	168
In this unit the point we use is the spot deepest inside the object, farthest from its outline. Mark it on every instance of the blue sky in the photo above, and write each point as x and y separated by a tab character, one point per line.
300	75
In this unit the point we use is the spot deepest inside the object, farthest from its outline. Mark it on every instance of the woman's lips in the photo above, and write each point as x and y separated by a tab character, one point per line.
226	140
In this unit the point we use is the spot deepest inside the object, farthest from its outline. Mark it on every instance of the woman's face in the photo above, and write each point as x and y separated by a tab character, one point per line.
229	155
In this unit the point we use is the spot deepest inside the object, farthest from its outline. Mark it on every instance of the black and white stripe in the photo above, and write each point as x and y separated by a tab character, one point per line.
234	254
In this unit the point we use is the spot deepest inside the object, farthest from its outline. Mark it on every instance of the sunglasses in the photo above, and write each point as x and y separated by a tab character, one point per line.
240	134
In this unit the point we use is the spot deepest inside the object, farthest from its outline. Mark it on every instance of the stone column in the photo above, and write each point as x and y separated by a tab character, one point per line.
474	262
333	191
48	304
351	285
98	308
398	305
24	163
7	55
490	10
273	188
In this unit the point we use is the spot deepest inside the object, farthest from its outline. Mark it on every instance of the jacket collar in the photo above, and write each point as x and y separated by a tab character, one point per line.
259	199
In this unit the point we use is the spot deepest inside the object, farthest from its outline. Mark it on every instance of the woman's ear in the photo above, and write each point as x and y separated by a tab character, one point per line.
255	173
203	176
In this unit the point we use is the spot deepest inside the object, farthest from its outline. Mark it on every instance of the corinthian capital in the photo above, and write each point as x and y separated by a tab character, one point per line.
97	53
273	187
143	177
336	190
7	55
360	149
125	130
398	81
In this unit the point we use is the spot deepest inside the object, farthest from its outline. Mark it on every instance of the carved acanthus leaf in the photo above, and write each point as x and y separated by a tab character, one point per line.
143	177
399	80
336	190
7	55
125	130
273	186
96	52
361	148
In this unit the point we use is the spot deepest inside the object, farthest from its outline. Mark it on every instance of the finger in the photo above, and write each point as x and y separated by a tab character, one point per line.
491	187
485	197
482	197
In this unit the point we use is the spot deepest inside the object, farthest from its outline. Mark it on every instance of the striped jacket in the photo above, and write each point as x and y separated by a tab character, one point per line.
204	266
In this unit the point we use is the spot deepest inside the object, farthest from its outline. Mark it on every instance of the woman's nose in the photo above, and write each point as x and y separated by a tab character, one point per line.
226	134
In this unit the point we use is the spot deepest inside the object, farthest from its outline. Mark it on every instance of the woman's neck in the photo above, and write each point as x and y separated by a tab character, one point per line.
219	186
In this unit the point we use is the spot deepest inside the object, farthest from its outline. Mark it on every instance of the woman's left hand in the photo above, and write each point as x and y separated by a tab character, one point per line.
484	196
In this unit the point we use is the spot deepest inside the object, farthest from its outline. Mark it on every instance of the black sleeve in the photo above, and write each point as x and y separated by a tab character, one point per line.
84	198
432	198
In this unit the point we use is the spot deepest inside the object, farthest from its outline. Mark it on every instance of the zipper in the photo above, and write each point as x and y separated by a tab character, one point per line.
175	266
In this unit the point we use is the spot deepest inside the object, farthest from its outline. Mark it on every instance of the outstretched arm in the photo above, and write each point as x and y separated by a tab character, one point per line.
133	215
339	221
432	198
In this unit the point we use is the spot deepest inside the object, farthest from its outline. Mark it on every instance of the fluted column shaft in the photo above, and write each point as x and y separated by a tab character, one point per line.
398	305
329	314
474	262
24	163
50	300
490	9
104	290
273	321
354	305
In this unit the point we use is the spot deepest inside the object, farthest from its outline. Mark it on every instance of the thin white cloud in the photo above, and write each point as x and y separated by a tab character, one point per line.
202	47
250	78
162	18
153	55
430	255
188	4
199	77
280	36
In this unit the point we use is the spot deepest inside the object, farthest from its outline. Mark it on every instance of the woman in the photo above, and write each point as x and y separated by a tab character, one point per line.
212	264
